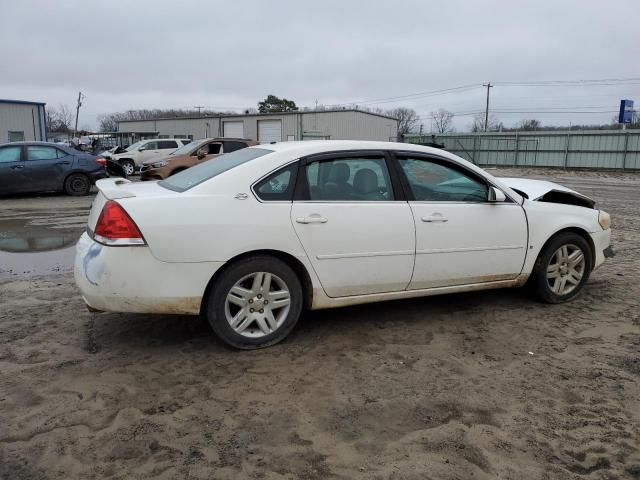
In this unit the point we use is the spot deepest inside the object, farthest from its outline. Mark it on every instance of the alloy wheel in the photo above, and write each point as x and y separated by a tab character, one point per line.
257	304
566	269
129	169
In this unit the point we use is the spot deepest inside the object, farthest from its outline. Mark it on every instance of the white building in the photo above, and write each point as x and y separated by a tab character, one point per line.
268	127
22	121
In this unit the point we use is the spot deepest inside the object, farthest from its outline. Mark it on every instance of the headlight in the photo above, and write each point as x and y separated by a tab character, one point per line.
604	219
159	164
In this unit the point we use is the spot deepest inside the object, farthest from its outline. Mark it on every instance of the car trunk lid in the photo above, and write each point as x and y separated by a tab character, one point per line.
120	188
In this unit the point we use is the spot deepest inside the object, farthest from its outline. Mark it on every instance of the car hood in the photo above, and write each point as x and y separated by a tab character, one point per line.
545	191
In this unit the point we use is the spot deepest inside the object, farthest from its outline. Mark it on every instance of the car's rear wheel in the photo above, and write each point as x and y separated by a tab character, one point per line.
255	302
563	268
77	184
128	166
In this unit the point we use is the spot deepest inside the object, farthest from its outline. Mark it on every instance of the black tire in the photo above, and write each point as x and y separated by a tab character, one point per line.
539	282
77	184
129	167
216	305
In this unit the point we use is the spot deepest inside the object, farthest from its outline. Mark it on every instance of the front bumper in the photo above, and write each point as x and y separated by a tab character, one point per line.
131	279
602	243
147	172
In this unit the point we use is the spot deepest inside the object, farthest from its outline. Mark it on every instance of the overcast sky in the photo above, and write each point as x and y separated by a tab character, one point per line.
230	54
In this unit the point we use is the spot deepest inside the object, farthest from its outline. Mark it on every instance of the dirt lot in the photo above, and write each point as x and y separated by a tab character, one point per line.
481	385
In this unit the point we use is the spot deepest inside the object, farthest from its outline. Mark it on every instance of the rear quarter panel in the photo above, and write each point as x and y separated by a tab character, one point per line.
204	228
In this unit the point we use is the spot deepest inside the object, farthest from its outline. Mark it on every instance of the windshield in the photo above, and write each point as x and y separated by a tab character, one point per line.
187	148
134	146
200	173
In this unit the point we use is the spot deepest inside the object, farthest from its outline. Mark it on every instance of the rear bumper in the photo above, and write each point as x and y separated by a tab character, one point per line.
602	243
131	279
95	176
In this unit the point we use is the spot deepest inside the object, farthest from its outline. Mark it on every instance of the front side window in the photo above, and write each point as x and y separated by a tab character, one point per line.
151	146
207	170
10	154
349	179
434	182
42	153
278	186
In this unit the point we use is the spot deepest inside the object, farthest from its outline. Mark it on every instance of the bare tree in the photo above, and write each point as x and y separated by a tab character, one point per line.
59	119
407	119
529	124
477	124
66	116
442	120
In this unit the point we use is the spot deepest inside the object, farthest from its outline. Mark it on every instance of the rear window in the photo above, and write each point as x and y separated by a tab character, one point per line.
201	173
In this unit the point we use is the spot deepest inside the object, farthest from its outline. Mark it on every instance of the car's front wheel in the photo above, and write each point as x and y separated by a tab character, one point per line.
563	268
129	167
255	302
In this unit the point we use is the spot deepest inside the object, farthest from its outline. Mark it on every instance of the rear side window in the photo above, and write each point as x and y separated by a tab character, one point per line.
349	179
278	186
10	154
167	144
43	153
233	146
201	173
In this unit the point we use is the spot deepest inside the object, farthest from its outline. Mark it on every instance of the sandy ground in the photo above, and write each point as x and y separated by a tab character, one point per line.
473	386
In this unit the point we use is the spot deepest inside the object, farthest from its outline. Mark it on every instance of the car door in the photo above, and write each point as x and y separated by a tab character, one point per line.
12	179
353	223
148	151
461	237
46	166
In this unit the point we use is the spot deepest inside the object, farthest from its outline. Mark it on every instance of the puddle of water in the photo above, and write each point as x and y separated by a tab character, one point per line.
28	250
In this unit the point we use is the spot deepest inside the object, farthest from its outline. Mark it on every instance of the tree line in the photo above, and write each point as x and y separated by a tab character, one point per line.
61	119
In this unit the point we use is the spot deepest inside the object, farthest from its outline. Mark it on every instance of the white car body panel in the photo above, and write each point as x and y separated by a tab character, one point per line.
376	256
467	243
361	254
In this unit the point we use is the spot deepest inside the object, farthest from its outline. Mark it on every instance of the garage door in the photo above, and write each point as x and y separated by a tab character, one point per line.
269	131
233	129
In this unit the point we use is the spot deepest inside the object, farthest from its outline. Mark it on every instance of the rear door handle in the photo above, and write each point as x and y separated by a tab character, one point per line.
312	219
434	219
17	166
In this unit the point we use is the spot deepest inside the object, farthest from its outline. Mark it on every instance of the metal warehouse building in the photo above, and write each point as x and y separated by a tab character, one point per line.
22	121
268	127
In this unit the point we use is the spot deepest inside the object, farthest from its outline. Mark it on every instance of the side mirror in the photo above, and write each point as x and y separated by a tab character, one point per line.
496	195
202	153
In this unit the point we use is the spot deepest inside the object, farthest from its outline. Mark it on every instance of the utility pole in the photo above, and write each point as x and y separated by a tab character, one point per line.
80	97
486	111
199	109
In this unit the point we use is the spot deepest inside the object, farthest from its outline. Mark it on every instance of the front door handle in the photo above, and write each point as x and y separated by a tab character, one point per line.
64	163
17	166
436	217
312	219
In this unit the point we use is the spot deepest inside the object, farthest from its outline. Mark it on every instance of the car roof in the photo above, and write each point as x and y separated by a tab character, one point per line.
309	147
18	144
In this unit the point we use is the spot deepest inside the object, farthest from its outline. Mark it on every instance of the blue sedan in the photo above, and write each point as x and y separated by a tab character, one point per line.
27	167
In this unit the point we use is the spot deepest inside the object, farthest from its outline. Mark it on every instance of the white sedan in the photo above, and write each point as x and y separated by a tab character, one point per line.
253	237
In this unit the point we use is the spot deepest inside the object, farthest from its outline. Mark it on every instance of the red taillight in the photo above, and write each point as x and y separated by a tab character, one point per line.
115	226
101	161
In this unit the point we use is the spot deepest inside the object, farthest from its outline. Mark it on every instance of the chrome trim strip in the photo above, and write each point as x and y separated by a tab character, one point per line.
363	254
469	249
